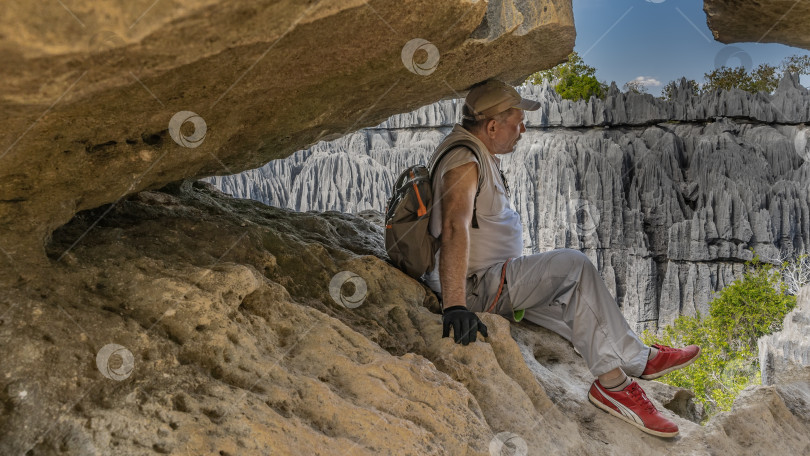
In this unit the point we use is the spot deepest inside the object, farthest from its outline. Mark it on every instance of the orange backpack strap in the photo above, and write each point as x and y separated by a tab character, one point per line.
422	210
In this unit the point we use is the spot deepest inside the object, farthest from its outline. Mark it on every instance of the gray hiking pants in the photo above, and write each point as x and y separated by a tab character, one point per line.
562	290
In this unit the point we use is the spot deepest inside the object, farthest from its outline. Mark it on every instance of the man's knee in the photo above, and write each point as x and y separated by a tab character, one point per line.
586	274
576	258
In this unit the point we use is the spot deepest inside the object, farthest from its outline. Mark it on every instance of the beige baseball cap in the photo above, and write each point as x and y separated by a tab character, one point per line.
494	97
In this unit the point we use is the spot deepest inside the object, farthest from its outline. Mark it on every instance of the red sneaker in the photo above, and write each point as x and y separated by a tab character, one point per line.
633	406
669	359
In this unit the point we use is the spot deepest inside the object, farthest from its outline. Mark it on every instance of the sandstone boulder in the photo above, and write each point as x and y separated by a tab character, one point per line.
90	92
770	21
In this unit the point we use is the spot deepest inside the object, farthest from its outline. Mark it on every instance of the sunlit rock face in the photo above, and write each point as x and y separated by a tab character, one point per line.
668	199
90	92
768	21
184	321
190	322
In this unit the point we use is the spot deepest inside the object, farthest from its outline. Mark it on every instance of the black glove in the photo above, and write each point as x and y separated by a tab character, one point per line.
465	324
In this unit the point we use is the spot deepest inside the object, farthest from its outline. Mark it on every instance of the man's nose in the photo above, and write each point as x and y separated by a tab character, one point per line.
522	127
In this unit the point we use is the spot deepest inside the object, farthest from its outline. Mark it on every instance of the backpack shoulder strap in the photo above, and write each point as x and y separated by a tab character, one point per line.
474	149
460	143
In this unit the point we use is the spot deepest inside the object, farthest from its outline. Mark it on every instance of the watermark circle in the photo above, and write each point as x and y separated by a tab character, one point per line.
802	145
336	286
732	52
193	140
121	372
508	444
585	214
423	68
104	40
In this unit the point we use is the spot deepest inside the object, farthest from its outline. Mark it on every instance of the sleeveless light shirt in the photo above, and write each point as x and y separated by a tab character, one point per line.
500	233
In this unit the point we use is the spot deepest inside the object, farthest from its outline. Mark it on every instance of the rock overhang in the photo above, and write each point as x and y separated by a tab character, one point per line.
91	91
773	21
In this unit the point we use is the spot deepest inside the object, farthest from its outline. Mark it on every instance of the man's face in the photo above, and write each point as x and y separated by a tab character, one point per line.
508	132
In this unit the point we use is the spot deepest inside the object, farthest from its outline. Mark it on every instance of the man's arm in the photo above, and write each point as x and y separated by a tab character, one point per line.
459	188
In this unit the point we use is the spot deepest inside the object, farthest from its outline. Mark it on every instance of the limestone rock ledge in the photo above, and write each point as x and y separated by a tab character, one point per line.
238	348
89	90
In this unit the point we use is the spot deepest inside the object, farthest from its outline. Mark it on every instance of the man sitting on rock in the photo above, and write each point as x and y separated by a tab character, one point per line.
480	266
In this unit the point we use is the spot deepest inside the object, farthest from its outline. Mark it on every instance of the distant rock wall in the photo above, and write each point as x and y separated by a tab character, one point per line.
667	198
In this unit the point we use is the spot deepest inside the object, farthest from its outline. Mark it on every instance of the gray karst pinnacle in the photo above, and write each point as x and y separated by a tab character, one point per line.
668	199
784	356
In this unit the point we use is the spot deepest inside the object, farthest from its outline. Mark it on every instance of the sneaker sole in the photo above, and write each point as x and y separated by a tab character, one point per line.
604	407
673	368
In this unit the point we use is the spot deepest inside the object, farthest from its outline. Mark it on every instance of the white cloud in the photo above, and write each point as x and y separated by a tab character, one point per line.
644	80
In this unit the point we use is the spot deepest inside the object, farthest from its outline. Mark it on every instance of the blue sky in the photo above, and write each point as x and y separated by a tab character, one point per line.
661	40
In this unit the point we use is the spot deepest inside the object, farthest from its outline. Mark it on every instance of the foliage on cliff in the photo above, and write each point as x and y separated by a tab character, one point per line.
763	78
741	313
573	80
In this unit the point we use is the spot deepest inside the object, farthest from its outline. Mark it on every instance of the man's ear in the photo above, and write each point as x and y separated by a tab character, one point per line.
491	127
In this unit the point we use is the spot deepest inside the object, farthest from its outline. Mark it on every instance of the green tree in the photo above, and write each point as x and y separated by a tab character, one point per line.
752	307
573	79
763	78
726	79
796	64
743	311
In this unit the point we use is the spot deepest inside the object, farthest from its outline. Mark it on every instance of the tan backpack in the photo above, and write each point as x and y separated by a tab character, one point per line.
408	241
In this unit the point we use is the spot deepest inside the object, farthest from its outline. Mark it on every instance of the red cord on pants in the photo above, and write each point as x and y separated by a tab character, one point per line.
500	287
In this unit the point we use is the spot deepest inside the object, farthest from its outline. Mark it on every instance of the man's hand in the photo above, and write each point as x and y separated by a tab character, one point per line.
465	324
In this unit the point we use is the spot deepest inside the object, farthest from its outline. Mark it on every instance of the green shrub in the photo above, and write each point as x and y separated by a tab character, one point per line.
763	78
573	79
742	312
752	307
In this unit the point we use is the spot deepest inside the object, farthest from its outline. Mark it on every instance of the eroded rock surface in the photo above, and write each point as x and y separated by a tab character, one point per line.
768	21
784	356
667	198
238	348
89	90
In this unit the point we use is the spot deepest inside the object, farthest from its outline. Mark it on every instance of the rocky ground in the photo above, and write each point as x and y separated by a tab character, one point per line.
231	343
